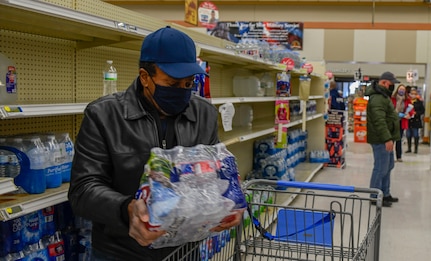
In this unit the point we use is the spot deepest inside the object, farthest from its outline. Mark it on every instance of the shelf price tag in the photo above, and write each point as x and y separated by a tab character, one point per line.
11	212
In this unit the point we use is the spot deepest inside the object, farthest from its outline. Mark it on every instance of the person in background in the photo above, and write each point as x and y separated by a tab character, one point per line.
401	101
382	131
415	122
115	139
336	101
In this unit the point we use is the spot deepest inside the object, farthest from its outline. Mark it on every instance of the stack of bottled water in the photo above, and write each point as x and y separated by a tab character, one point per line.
31	237
37	161
319	156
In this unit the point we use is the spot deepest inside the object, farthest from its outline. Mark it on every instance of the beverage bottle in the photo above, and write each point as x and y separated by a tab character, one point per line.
8	81
54	162
4	163
109	79
11	168
33	163
67	151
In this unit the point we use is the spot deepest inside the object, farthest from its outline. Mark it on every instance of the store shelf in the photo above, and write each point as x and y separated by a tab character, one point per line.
15	205
7	185
258	130
222	100
46	19
39	110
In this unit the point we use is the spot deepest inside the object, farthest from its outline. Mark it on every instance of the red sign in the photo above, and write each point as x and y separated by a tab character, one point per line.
308	67
289	62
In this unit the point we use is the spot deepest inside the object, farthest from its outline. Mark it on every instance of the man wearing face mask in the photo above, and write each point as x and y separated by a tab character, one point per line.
383	129
115	139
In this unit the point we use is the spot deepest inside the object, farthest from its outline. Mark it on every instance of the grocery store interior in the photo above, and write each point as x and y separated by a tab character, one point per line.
263	58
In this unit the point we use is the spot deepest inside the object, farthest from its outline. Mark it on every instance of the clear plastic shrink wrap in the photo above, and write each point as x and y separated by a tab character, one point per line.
189	190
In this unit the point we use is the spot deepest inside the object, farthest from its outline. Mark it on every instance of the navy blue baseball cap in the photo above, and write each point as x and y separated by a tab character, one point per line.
173	51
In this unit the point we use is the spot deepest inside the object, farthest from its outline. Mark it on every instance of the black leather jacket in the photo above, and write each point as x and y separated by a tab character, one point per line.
112	146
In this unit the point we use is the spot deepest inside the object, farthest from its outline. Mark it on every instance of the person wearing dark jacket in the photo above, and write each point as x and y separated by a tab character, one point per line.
415	122
336	101
116	136
383	129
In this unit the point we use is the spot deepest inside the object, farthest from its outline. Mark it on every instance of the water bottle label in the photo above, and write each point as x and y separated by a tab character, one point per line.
69	148
110	76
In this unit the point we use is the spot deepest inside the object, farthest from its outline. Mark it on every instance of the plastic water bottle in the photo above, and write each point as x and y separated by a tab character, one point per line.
54	162
109	79
33	163
8	81
4	163
67	151
14	168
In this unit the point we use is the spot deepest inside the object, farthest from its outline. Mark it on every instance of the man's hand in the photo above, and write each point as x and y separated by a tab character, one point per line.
389	145
138	216
229	221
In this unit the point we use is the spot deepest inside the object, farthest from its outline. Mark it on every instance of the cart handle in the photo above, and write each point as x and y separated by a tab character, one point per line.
311	185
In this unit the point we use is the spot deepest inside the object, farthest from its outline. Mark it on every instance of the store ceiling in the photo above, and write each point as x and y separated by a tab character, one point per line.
279	2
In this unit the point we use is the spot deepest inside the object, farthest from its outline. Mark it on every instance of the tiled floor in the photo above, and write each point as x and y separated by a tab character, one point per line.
406	226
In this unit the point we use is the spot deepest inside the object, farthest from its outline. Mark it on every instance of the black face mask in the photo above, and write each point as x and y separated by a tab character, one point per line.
392	87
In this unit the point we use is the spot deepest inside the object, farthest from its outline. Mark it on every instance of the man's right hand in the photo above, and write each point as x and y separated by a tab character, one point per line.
389	145
138	216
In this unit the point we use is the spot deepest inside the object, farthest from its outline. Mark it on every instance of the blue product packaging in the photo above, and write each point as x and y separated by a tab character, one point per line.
31	231
47	222
16	226
5	239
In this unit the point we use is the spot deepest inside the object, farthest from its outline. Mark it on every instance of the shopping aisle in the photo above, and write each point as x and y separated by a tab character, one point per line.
406	226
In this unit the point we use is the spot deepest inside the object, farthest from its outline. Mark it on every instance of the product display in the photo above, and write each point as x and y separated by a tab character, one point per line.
189	190
37	161
335	138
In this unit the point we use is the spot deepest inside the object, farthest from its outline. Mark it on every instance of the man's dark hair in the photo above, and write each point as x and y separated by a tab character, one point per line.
150	67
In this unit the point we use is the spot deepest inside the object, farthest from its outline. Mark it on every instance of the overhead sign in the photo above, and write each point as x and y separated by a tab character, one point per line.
412	76
288	35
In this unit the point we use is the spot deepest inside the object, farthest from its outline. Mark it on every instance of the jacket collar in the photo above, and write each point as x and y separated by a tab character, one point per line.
133	109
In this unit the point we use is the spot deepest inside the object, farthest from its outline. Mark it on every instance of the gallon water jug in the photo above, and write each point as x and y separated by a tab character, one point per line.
246	86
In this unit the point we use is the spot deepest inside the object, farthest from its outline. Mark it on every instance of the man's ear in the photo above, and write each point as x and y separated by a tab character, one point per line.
144	77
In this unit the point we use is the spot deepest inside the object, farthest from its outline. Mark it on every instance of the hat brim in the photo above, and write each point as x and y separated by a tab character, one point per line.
181	70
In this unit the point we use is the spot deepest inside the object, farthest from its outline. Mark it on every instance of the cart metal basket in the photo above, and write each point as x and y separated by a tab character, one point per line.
291	221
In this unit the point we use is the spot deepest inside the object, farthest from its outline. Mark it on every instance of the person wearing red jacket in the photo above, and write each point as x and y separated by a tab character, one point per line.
401	102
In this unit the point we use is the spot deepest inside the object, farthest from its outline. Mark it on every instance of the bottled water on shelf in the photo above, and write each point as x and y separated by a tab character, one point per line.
54	161
67	151
4	164
33	165
109	78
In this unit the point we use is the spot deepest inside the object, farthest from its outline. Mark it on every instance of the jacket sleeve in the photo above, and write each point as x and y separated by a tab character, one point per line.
90	194
419	108
379	114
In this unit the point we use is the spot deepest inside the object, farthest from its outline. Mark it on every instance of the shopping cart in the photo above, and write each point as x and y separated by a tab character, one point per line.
291	221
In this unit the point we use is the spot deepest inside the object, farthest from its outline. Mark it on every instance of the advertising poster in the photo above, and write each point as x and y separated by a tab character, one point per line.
191	12
287	34
208	15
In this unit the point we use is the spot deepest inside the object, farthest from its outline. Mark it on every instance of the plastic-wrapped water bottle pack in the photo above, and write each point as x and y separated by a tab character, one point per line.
189	190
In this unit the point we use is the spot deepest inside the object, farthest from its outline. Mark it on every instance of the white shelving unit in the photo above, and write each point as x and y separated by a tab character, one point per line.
86	30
